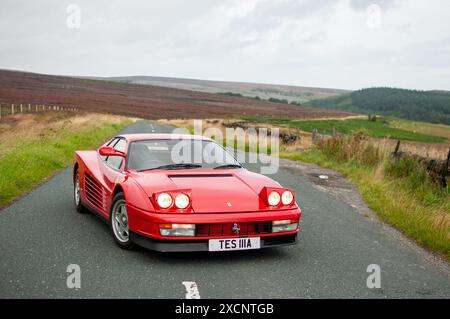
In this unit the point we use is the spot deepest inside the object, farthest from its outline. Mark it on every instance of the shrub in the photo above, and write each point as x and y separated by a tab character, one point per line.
354	147
403	167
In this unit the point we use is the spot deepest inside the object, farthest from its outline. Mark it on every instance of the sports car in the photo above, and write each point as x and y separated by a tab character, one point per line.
169	192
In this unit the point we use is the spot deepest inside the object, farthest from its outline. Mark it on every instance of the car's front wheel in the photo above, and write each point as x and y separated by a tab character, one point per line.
119	222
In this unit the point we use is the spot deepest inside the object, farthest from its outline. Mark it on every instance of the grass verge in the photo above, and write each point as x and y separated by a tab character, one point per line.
30	160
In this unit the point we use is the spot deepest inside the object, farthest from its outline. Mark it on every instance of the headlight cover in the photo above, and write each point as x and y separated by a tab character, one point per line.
287	197
274	198
164	200
277	197
182	201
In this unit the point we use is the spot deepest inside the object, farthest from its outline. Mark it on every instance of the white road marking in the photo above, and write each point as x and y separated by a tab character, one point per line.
191	290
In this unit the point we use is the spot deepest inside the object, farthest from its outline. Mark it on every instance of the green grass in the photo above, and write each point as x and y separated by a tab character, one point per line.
397	190
30	161
422	127
379	128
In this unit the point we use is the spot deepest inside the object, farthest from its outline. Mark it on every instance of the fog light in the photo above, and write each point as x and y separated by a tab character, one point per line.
180	230
286	225
281	222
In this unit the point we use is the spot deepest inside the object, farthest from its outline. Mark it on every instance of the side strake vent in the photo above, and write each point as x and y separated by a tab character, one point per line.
94	193
198	175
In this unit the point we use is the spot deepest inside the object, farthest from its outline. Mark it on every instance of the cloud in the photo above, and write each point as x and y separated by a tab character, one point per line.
313	43
363	4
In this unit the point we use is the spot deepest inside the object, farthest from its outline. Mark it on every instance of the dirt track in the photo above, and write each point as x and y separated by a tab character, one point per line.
151	102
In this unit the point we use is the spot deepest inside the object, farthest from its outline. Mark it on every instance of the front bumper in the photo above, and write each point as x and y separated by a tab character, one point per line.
144	228
202	245
147	223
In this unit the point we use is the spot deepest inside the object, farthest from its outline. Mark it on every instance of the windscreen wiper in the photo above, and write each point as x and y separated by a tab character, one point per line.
173	166
228	166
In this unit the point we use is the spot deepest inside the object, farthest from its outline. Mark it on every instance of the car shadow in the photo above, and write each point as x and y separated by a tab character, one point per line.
205	257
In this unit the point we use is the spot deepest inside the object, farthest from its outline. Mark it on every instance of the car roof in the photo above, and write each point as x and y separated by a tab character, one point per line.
162	136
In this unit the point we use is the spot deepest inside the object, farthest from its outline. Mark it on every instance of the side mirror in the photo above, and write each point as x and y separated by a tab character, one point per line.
110	151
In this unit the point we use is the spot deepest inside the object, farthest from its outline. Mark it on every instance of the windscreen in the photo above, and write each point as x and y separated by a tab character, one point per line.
178	154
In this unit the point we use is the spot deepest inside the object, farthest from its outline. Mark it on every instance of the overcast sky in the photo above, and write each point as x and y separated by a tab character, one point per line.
338	44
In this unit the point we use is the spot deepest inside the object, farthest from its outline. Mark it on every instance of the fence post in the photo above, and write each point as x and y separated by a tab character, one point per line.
29	107
0	110
314	134
397	148
299	136
12	109
21	108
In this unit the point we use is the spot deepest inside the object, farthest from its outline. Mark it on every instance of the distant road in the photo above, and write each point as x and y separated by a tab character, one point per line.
42	234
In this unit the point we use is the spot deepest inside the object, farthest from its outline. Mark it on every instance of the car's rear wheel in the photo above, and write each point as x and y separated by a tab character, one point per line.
119	222
77	194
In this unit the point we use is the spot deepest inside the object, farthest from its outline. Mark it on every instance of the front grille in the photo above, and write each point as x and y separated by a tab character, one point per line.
226	229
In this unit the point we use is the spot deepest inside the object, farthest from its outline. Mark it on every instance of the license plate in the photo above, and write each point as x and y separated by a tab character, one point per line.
234	244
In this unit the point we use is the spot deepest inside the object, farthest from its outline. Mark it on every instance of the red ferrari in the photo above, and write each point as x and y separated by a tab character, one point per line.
149	197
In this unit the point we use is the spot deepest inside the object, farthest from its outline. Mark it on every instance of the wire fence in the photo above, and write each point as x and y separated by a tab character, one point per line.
8	109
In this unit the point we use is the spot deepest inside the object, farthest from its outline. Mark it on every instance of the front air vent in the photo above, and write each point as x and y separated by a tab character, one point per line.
94	193
198	175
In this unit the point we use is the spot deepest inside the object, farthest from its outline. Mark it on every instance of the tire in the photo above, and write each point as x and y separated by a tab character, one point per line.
77	195
119	222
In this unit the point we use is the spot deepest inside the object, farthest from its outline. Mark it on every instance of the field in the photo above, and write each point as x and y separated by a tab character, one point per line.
144	101
378	129
263	91
422	127
34	146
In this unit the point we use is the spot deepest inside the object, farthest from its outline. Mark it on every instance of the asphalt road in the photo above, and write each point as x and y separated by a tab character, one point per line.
41	234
